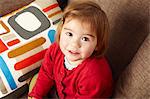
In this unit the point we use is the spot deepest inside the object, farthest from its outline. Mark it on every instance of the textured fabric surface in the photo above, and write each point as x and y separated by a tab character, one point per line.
134	82
7	6
129	22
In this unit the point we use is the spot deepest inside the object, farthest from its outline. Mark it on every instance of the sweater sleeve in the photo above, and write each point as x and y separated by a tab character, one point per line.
45	78
95	81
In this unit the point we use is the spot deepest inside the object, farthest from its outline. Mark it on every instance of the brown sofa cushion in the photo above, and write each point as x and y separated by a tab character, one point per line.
7	6
129	27
135	80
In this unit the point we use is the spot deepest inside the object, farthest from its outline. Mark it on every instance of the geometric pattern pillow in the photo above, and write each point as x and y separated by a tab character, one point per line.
25	35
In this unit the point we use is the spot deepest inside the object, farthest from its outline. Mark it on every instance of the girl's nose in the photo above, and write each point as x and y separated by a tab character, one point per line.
75	43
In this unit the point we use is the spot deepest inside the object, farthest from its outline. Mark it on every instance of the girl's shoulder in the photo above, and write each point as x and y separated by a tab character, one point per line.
54	46
54	49
97	65
94	61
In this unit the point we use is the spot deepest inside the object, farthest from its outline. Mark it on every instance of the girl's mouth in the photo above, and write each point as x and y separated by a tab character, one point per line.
73	52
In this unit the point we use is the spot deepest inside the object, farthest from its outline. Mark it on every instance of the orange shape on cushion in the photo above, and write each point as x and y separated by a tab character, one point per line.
13	42
29	61
3	47
27	47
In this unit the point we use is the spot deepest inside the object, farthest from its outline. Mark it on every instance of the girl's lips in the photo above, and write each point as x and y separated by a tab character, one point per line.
72	52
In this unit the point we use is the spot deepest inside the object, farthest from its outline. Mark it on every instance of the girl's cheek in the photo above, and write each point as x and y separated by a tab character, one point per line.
64	39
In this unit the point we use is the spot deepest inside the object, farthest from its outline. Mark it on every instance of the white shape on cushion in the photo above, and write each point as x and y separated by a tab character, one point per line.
2	30
28	21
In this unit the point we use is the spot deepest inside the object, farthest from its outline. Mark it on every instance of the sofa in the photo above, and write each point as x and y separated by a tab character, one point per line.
129	50
129	46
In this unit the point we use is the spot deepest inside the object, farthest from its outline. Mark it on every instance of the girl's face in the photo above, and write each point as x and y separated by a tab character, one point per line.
77	42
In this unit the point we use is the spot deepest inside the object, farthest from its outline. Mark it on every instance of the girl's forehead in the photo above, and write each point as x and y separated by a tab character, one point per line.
77	22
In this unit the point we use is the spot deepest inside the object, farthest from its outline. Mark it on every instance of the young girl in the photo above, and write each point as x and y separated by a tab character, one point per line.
75	63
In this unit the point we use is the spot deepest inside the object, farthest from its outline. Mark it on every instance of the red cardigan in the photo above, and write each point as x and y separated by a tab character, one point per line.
91	79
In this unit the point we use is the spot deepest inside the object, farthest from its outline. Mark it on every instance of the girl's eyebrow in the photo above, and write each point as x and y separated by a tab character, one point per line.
88	34
67	29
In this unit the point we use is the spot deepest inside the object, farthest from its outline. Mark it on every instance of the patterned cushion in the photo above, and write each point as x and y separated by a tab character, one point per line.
25	35
134	82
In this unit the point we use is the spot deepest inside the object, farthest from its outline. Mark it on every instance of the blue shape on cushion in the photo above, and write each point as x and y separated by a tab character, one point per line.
7	74
51	35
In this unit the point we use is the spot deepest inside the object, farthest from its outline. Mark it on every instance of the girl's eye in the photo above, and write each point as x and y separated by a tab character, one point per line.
85	39
69	34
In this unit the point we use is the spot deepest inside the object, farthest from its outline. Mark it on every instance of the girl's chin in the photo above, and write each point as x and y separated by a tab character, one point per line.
74	60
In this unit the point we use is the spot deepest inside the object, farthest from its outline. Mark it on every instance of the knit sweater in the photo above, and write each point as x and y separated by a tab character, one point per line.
90	79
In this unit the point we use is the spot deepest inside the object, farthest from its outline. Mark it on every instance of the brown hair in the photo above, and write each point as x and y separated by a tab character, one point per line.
91	13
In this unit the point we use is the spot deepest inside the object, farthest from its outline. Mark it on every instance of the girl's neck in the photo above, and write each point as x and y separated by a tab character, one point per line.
74	63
